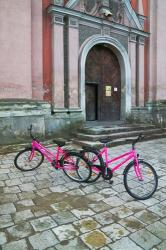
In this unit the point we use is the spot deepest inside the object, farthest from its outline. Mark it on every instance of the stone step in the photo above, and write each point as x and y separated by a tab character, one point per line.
96	130
116	142
118	135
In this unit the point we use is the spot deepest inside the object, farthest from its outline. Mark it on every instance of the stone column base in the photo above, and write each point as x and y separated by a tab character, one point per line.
152	113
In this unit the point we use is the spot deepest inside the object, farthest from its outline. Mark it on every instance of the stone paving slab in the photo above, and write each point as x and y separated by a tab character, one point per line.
44	209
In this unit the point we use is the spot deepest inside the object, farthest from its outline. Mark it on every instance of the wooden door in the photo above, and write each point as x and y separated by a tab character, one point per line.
103	69
91	102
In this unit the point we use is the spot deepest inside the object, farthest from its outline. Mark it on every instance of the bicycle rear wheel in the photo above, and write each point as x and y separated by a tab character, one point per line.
95	161
28	159
140	188
76	167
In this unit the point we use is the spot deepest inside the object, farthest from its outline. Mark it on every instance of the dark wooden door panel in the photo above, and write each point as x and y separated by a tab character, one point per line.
91	102
93	70
110	77
102	67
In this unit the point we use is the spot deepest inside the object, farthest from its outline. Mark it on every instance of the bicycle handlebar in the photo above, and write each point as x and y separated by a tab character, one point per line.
139	138
30	132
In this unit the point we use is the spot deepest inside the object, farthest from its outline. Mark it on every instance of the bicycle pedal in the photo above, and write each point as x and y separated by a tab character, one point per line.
56	168
111	182
53	163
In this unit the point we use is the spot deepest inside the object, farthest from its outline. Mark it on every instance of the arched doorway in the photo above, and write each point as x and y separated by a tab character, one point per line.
102	84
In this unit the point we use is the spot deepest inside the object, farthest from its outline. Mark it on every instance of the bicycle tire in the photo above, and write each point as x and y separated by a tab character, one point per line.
75	167
142	189
89	155
22	159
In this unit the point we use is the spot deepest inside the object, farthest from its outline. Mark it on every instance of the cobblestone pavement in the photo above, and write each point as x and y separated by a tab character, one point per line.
43	209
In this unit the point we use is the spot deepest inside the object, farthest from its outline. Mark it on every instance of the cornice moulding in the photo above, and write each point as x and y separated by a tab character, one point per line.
54	9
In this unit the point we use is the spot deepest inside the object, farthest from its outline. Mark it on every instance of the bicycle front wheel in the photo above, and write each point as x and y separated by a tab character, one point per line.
28	159
76	167
141	188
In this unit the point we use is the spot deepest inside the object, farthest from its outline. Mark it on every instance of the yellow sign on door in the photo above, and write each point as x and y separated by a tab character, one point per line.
108	90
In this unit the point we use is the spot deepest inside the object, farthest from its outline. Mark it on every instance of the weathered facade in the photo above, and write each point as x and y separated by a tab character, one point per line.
65	62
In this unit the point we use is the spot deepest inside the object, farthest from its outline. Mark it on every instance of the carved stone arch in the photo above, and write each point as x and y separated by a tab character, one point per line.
123	59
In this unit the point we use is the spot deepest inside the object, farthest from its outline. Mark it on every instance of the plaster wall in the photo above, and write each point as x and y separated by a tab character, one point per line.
21	49
161	58
152	51
157	59
37	50
15	49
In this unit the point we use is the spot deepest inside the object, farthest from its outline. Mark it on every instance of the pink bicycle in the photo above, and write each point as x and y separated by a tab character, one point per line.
140	178
72	163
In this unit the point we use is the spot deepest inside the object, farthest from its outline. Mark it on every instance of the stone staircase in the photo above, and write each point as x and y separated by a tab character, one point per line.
90	134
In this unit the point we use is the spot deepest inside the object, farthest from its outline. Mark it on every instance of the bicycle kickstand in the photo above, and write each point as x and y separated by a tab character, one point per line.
111	182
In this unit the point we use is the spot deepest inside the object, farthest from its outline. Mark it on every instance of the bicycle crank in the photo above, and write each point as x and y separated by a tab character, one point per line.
108	175
54	164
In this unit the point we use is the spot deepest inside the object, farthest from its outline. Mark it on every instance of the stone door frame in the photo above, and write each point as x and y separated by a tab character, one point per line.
124	62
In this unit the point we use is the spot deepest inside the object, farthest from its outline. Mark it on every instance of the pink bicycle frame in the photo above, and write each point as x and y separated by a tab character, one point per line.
130	155
47	153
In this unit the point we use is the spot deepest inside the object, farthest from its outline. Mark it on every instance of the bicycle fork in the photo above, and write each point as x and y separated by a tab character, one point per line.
137	168
31	155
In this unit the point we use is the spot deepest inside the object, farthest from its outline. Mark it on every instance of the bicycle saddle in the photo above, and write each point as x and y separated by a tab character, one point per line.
60	143
105	140
87	147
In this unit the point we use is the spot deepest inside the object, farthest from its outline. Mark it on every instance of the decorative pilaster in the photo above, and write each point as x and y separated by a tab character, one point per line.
140	69
132	54
73	50
58	61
